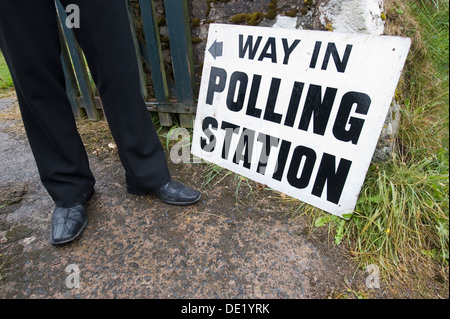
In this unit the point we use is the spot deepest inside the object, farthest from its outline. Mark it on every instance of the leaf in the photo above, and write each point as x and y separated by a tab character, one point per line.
347	216
339	233
321	221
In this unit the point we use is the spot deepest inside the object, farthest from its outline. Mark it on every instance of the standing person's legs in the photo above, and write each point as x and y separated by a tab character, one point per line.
30	43
106	39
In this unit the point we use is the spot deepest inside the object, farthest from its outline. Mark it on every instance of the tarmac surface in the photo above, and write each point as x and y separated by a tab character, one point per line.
226	246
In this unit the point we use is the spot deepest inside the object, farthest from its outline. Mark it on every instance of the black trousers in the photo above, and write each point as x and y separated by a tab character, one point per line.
30	43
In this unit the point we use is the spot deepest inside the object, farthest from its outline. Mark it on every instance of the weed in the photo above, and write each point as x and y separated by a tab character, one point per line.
402	216
213	171
5	76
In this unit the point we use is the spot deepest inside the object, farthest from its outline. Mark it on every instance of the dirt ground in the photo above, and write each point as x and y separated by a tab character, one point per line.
138	247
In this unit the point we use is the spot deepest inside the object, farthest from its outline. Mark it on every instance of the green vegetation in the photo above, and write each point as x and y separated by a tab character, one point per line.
256	18
401	221
5	76
208	2
250	19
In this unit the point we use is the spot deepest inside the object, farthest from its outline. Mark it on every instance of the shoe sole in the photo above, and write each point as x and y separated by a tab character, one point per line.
180	203
137	192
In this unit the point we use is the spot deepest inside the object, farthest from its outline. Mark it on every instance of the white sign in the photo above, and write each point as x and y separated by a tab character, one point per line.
299	111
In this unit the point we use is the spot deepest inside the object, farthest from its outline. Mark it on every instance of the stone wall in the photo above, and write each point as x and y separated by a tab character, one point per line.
362	16
333	15
298	14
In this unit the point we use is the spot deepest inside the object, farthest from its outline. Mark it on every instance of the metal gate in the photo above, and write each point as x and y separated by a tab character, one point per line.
168	97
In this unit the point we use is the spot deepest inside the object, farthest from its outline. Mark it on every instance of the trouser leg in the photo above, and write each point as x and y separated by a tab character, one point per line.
105	37
30	43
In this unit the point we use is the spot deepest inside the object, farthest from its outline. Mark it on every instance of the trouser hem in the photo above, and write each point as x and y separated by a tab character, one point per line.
81	200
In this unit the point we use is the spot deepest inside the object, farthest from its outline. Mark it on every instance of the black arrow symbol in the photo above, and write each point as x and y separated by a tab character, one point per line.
216	49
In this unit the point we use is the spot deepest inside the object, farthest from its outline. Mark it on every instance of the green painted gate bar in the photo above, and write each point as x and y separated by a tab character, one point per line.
72	90
138	54
177	17
79	66
154	53
183	101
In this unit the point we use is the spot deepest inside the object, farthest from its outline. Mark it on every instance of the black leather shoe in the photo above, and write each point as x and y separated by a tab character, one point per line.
173	193
67	224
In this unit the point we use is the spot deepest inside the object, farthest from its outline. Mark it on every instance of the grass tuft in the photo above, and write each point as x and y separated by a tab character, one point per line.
401	219
5	76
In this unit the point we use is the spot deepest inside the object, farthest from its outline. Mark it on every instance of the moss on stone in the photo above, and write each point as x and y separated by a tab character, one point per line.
164	39
254	18
291	13
18	232
239	18
195	22
273	10
208	2
161	21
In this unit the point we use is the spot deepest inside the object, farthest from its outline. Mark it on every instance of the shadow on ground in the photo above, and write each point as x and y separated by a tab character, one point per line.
247	246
